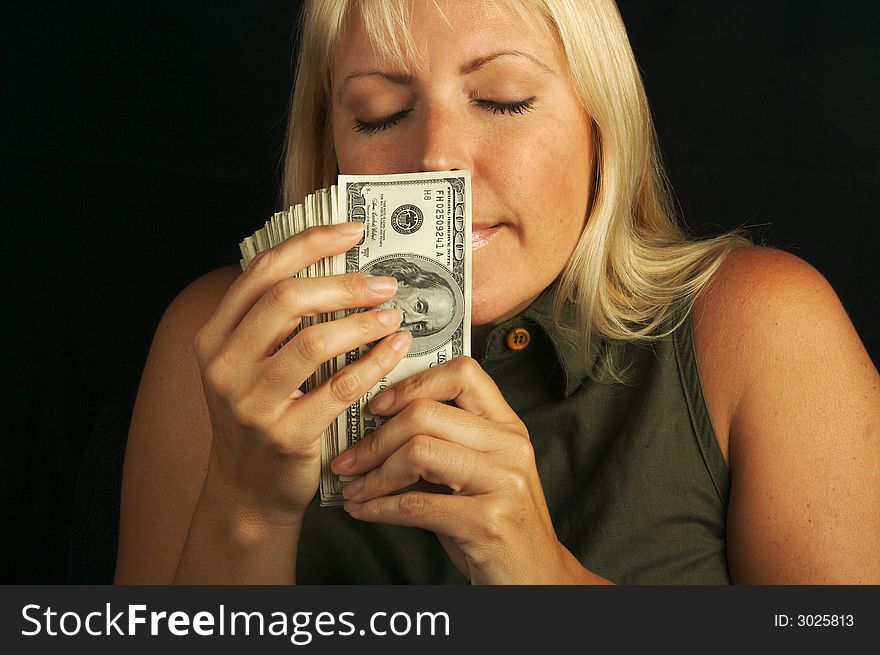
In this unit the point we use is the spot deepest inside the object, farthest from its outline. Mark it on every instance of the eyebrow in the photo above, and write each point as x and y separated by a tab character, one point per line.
466	69
479	62
396	78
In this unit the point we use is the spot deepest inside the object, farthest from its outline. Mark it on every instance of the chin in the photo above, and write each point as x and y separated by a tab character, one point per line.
488	304
488	309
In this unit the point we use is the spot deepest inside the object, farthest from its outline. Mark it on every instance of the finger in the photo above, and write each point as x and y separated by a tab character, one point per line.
314	345
419	417
461	380
284	260
440	513
427	458
321	406
278	312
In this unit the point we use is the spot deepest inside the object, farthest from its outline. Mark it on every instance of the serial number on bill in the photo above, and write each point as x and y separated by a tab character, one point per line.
813	620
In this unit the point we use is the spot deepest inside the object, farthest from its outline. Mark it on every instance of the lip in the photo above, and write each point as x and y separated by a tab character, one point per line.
481	235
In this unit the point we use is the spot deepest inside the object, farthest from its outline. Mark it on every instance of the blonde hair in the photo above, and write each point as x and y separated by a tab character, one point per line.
634	274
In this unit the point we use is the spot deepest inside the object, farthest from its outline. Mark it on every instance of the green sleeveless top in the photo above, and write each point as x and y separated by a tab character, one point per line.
633	475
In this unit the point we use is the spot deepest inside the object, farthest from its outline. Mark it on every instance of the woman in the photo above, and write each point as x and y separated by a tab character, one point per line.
681	412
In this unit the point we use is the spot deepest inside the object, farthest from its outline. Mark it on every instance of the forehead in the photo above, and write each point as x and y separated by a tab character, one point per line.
421	36
438	297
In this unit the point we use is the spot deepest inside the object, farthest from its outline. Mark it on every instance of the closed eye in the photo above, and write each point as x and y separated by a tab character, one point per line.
371	127
507	107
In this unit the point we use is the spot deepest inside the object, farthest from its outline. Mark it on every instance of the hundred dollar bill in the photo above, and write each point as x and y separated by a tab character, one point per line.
417	229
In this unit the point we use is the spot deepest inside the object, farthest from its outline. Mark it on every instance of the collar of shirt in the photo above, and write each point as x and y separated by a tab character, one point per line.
537	318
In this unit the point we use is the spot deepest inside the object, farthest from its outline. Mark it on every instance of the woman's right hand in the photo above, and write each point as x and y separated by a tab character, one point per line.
266	452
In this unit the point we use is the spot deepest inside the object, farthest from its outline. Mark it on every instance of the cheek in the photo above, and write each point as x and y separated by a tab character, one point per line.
565	184
546	179
368	160
360	155
350	151
339	137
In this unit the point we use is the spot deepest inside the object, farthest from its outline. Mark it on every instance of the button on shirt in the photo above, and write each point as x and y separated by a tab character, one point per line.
518	339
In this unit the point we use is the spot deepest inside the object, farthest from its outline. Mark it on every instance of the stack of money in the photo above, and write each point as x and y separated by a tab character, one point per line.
418	230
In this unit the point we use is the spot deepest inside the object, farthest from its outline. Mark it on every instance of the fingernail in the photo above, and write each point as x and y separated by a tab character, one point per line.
352	507
389	317
353	488
401	341
382	402
344	461
349	229
381	284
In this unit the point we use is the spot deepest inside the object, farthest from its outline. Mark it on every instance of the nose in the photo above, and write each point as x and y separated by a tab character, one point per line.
445	143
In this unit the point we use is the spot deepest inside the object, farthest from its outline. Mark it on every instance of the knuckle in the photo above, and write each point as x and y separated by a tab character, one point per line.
413	504
518	484
466	366
345	387
419	449
380	362
376	479
373	445
312	237
218	376
285	294
493	523
522	450
243	415
422	410
354	286
369	325
410	387
310	346
262	264
260	419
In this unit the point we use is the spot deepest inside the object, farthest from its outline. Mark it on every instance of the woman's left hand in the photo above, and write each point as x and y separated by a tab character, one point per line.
495	525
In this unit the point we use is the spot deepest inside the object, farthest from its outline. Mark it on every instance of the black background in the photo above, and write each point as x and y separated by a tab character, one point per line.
141	142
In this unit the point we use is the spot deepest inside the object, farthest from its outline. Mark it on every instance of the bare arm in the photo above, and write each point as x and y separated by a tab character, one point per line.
176	525
804	438
224	449
169	440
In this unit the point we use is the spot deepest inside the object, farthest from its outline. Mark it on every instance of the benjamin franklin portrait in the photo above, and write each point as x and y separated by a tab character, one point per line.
425	298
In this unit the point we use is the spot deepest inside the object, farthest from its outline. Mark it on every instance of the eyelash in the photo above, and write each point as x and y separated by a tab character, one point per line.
508	107
372	127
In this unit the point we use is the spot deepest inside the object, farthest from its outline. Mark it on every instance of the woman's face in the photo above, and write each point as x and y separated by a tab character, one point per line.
491	95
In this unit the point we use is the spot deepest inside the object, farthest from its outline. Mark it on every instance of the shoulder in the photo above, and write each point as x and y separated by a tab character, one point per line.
761	297
171	356
756	287
171	379
796	399
198	300
762	306
171	352
765	283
